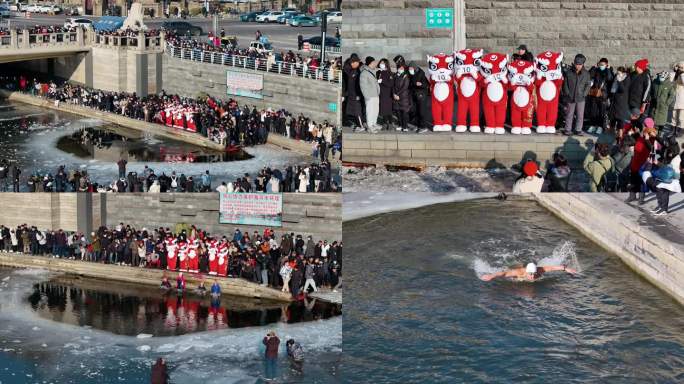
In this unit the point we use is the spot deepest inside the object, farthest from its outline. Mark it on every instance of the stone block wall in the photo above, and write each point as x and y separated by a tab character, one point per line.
296	95
319	215
44	210
622	31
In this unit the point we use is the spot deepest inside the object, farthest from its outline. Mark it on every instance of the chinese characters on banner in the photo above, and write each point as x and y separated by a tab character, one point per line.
251	209
245	84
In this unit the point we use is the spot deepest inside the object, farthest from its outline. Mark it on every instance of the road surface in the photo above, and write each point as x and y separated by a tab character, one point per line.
281	36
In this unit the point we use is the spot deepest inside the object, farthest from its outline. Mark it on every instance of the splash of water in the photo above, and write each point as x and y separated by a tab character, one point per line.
563	254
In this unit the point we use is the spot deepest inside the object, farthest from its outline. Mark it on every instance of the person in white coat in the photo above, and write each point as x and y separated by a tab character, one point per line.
678	107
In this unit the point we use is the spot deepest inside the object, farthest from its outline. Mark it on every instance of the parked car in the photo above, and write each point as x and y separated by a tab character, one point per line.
304	21
71	11
182	28
53	9
269	17
33	8
4	11
330	41
73	22
286	18
260	47
249	17
335	17
44	8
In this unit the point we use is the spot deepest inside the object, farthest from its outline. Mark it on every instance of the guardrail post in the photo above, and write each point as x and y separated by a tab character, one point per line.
162	39
14	38
79	37
141	40
25	38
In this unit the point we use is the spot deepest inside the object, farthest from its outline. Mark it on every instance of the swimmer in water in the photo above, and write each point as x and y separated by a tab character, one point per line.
530	273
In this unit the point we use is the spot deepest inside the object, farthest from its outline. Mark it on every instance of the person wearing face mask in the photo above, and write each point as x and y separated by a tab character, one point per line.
402	97
619	100
386	81
371	93
678	107
420	91
597	102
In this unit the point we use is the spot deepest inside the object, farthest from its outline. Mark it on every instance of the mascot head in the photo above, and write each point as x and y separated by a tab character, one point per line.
548	62
440	67
468	62
493	67
521	72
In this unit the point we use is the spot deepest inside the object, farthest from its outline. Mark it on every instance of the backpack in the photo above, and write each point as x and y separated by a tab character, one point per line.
609	180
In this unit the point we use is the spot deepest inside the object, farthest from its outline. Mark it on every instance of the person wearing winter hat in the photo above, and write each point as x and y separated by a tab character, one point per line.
642	150
530	272
639	89
575	90
530	181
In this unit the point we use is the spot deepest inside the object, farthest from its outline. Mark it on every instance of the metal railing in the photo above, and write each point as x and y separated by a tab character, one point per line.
256	64
328	49
151	42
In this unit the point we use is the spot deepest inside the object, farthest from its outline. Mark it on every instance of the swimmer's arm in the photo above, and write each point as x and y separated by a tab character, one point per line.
551	268
491	276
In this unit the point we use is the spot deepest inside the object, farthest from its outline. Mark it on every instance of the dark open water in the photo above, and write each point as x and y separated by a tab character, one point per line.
418	313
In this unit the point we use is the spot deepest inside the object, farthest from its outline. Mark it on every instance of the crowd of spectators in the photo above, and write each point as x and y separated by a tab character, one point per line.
289	262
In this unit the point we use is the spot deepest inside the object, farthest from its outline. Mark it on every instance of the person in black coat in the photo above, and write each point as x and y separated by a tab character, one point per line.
386	81
619	100
597	102
420	91
351	91
523	54
639	89
402	97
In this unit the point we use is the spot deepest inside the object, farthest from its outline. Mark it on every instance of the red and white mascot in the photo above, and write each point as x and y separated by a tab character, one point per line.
494	81
549	84
183	256
441	77
223	259
468	89
171	253
521	78
193	253
212	249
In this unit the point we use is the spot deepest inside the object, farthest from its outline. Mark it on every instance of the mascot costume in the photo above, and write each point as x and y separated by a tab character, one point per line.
494	82
548	84
213	256
521	77
441	71
223	259
171	253
468	89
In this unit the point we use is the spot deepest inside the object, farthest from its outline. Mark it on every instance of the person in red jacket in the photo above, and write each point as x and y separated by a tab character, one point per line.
272	343
642	150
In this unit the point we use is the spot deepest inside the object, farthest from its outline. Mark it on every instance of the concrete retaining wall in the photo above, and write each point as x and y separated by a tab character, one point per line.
621	229
622	31
44	210
316	214
138	125
310	97
449	149
150	277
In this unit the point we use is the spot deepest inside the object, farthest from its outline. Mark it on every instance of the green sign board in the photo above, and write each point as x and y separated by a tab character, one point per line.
439	18
332	107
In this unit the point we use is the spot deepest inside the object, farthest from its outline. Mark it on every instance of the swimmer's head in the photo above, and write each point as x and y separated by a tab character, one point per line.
530	270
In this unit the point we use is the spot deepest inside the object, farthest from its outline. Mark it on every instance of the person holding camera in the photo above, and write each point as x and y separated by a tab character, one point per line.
643	147
660	178
272	343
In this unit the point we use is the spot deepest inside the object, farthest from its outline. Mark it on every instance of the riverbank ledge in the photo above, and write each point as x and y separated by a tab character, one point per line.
653	247
144	276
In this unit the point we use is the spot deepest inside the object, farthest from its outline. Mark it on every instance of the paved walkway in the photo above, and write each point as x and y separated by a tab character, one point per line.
670	227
